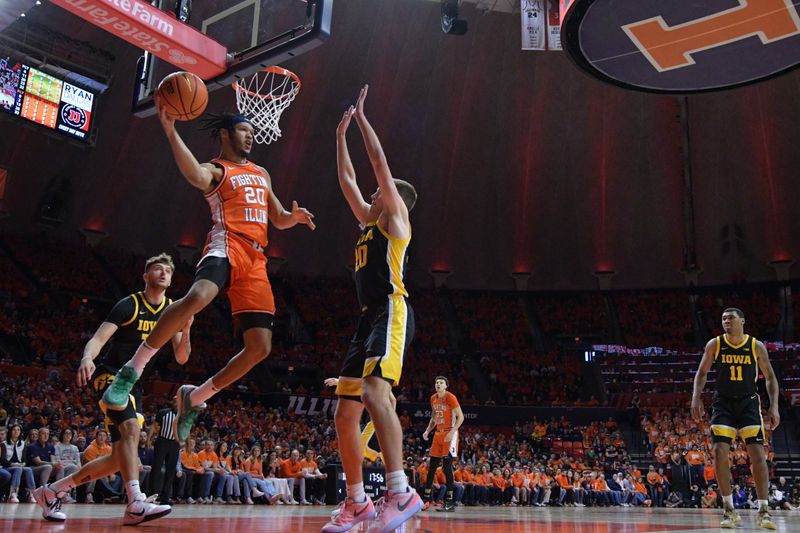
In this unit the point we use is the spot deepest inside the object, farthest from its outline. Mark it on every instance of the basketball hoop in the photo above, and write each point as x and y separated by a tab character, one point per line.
263	97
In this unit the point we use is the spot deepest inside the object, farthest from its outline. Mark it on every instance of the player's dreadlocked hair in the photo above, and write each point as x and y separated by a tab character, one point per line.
214	122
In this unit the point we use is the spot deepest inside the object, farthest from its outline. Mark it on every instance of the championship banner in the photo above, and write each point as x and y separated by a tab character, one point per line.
553	25
532	15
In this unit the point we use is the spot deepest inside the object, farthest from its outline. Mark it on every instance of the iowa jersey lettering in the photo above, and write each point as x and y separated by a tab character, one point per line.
145	327
135	319
736	366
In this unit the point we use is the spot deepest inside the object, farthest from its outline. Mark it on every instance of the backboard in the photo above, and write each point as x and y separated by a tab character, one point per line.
257	34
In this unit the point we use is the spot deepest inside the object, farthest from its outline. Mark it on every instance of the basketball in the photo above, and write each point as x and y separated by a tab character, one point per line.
183	94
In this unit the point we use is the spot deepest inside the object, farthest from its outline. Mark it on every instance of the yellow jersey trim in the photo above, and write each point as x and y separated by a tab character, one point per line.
135	311
716	352
736	346
390	237
147	304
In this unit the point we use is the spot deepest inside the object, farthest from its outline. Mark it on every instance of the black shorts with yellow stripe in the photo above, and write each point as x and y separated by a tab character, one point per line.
378	348
743	414
113	417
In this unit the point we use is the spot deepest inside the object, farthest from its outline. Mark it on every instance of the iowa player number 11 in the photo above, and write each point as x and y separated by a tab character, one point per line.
736	373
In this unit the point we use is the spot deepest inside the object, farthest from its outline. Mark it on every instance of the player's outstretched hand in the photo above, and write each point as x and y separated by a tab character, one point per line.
302	216
360	103
697	408
425	436
345	122
85	371
167	122
331	382
774	416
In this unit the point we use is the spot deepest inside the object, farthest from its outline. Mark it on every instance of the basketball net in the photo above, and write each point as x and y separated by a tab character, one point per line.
263	97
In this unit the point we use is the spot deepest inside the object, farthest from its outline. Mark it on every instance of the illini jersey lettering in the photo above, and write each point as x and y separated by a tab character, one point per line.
379	266
239	205
443	411
736	366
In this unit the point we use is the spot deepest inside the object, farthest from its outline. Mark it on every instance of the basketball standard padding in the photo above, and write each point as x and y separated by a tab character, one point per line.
183	95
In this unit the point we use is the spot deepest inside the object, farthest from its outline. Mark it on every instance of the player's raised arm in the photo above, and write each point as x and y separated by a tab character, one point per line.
392	201
773	388
283	219
701	376
347	174
203	176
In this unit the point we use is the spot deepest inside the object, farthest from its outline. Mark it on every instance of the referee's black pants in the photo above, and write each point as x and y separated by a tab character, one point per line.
165	453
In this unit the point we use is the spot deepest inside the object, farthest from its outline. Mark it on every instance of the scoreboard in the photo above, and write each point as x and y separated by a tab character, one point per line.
46	100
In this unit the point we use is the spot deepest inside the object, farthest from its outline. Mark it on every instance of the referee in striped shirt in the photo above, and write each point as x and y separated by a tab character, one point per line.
166	453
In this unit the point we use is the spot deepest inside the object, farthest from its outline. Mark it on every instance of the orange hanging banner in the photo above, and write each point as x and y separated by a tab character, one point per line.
154	31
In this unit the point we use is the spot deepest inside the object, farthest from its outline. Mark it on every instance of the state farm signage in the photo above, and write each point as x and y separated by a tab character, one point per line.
153	30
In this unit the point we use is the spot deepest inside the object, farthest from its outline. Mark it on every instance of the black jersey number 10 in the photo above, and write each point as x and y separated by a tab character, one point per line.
361	257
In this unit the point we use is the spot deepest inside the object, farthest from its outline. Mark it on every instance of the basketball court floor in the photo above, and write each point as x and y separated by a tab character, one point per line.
262	519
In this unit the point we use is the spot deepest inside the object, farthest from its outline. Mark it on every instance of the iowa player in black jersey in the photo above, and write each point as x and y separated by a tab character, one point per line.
374	361
737	358
129	322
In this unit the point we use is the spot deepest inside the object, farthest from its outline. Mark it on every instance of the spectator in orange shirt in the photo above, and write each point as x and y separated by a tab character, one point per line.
520	492
709	499
467	479
195	481
483	482
696	460
111	485
254	466
564	481
292	471
314	478
497	487
654	487
209	460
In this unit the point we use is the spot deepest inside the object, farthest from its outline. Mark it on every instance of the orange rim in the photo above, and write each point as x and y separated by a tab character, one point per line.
273	70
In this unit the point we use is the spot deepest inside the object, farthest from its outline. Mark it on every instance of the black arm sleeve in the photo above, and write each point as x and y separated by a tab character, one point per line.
123	311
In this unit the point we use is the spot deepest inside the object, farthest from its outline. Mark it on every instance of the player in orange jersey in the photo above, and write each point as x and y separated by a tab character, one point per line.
242	200
446	417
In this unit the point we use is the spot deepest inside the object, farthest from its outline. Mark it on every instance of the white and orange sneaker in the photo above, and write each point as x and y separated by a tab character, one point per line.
348	515
395	509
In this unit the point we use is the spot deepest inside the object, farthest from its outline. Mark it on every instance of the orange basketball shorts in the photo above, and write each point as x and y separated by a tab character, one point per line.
244	273
441	448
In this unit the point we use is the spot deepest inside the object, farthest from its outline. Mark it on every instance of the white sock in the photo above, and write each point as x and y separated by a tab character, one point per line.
142	356
203	393
132	488
397	481
65	484
356	492
728	501
763	504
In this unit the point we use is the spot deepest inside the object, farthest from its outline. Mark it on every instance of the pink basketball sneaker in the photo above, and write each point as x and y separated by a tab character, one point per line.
349	515
396	508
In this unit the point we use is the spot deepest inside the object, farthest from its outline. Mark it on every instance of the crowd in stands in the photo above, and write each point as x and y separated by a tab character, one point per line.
760	303
641	317
571	315
243	451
